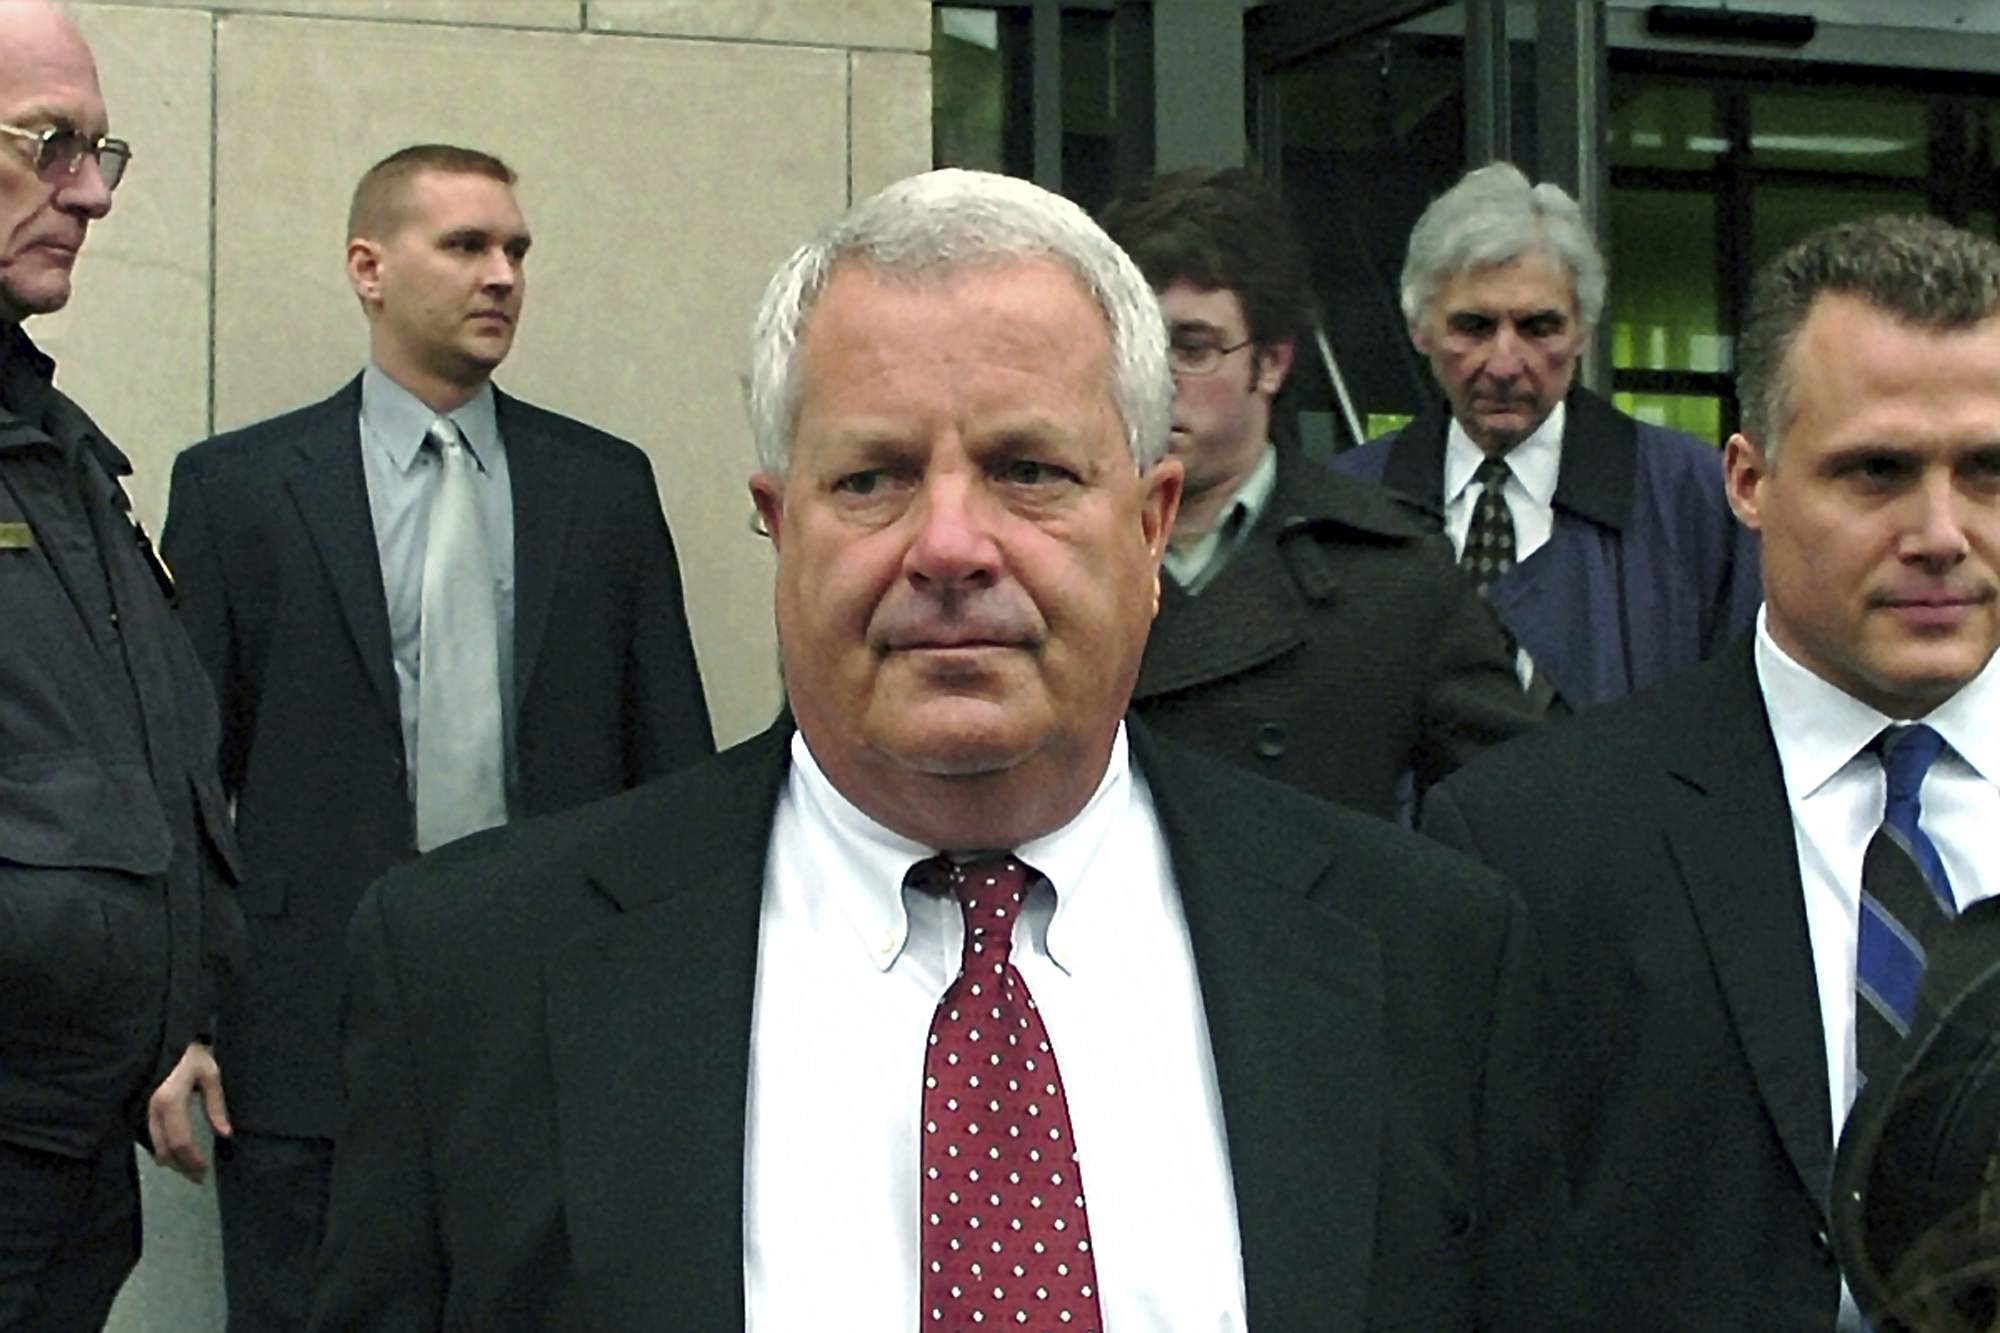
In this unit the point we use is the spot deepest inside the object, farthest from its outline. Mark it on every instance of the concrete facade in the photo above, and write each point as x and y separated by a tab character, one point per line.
671	152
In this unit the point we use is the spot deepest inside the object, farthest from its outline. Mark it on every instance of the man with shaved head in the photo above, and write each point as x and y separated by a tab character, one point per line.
428	608
115	849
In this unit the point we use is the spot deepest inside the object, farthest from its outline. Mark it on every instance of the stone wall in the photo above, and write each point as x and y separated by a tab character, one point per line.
671	152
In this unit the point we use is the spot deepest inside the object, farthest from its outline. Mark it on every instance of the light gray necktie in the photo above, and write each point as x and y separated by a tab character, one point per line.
461	782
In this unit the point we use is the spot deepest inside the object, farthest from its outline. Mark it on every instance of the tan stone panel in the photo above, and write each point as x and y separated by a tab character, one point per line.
664	181
567	14
891	115
903	25
132	346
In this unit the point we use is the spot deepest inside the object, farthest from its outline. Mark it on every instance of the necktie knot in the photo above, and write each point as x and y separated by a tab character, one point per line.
1489	537
449	441
989	892
1907	754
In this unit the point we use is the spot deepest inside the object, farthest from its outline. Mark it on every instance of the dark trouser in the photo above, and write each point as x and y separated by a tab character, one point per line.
272	1195
69	1235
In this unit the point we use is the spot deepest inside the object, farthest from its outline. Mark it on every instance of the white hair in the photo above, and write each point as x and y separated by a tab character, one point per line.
935	224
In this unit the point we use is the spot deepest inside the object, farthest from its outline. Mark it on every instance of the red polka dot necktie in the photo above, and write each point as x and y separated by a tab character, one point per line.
1005	1240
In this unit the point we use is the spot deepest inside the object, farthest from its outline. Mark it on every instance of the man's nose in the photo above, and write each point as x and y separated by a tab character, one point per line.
1505	356
503	271
84	191
1936	535
953	545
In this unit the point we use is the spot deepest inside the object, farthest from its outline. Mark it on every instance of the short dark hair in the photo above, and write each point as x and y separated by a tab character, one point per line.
1218	228
1923	271
381	200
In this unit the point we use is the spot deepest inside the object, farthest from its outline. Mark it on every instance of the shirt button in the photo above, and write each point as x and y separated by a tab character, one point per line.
1270	740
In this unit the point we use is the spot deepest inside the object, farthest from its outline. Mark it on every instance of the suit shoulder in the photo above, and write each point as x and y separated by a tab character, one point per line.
1336	504
1600	754
1286	834
608	855
251	444
589	441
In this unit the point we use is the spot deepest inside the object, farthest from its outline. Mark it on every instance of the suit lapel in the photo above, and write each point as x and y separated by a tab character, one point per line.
1294	1001
1247	617
1729	830
327	484
649	1032
543	477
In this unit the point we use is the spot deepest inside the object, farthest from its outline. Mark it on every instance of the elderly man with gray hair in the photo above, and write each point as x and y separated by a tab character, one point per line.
954	1000
1605	544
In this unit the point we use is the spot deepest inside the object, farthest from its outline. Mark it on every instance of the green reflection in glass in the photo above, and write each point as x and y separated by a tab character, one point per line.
1782	214
1694	414
1662	312
1887	136
968	76
1664	125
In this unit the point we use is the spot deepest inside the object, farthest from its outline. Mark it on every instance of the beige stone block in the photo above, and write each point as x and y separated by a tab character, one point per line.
903	25
132	346
664	181
565	14
891	118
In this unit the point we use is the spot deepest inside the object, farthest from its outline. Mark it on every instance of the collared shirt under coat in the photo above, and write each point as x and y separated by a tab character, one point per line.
403	476
850	968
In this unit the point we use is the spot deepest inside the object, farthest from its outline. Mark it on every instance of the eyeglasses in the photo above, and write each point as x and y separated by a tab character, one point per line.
1200	356
59	151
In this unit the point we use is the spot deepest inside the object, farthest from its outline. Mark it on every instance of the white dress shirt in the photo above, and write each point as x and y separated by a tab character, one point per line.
1530	492
850	968
1836	791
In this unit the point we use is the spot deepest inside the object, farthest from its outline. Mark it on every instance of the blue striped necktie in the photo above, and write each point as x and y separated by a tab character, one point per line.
1905	898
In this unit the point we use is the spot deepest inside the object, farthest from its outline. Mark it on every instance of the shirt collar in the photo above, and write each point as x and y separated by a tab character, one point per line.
1535	462
1820	727
1192	563
397	420
877	857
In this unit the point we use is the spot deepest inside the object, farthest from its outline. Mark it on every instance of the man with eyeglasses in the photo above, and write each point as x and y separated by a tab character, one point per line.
1310	627
115	848
428	608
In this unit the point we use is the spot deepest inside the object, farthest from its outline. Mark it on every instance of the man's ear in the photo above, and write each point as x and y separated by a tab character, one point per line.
1161	503
364	269
1745	466
1274	362
768	494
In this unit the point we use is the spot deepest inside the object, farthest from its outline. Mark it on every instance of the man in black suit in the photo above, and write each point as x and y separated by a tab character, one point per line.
710	1054
312	553
1312	627
1693	857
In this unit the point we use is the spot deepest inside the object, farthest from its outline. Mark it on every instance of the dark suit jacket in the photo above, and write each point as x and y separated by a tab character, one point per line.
270	533
1654	845
548	1043
1646	570
1339	648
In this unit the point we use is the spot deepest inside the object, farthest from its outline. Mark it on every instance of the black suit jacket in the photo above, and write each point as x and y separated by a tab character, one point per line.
270	533
1339	649
1653	843
548	1047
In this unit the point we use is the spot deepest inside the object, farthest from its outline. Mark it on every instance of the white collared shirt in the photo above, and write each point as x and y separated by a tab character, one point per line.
850	968
1193	563
1530	492
1836	792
